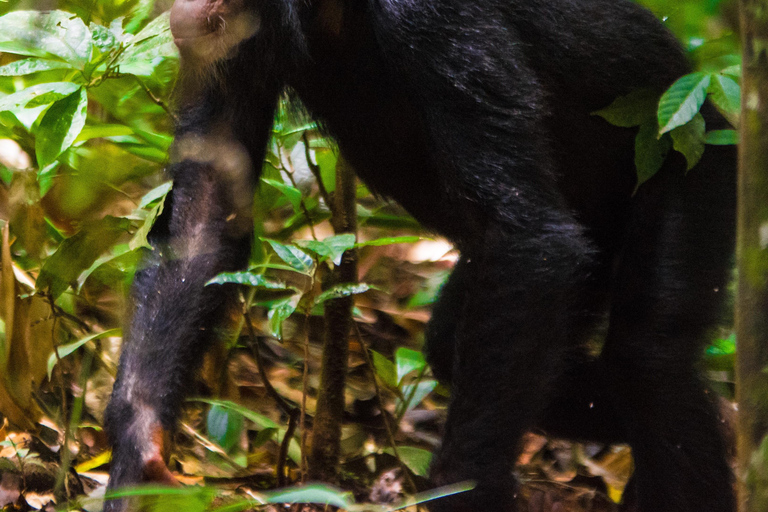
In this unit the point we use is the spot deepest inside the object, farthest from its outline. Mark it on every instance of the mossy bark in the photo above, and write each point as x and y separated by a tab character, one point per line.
752	257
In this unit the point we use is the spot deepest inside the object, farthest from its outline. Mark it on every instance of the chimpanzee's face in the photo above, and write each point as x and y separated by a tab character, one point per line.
208	30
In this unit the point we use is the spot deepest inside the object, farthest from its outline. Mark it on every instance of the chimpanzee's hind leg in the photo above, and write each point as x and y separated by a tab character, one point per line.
667	293
510	341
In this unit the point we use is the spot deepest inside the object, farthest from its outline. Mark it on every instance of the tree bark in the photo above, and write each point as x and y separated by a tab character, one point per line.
326	433
752	261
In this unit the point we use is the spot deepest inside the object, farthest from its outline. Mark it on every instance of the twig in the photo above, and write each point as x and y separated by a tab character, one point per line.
287	408
304	388
280	468
315	170
302	203
271	391
387	427
157	101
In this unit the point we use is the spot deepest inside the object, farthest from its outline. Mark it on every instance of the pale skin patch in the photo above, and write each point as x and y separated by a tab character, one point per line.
206	31
232	165
153	445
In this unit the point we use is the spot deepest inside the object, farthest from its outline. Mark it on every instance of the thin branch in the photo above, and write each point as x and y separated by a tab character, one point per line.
387	427
271	391
315	170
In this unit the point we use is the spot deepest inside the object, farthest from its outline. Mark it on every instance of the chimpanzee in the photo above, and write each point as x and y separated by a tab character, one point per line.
475	115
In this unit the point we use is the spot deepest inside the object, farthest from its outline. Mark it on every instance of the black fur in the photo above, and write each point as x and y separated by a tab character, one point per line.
475	116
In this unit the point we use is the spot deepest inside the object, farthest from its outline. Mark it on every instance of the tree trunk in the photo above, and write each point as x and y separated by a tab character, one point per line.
752	258
326	432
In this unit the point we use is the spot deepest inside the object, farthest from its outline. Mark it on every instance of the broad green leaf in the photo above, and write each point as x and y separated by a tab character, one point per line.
29	66
415	393
390	241
733	71
279	313
342	290
70	348
260	420
46	175
416	459
150	46
103	38
682	101
293	256
385	369
689	140
291	193
60	126
37	95
224	426
248	279
53	35
650	151
78	252
332	247
407	361
632	109
725	92
722	137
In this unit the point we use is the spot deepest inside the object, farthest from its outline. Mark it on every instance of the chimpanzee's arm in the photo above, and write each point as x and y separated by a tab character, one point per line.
224	124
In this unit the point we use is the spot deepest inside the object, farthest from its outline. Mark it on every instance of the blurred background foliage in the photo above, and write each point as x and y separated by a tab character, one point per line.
86	125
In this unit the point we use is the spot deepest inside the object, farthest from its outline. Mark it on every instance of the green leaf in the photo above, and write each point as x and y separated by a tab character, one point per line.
332	247
247	279
689	140
45	176
407	361
103	38
159	192
36	95
415	393
682	101
385	369
78	252
632	109
733	71
390	241
70	348
52	35
102	131
224	426
434	494
141	237
291	193
148	48
259	419
650	151
722	137
29	66
293	256
342	290
416	459
314	493
60	126
279	313
725	92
